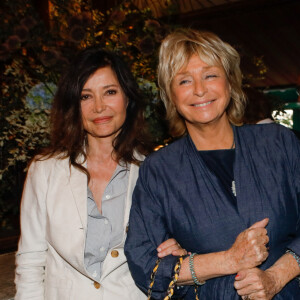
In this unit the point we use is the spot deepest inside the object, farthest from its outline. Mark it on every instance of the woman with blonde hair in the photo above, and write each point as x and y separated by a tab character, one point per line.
228	193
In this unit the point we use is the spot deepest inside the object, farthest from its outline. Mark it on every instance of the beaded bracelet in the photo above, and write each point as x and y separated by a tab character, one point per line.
191	264
295	256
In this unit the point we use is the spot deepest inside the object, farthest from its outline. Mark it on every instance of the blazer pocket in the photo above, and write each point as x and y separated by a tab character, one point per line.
58	288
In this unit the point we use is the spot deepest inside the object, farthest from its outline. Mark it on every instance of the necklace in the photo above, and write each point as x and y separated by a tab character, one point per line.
233	143
233	189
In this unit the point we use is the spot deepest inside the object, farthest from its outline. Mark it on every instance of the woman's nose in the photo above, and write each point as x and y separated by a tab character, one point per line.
199	88
99	104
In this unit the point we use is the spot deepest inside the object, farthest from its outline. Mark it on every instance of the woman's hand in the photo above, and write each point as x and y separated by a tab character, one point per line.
256	284
249	249
168	247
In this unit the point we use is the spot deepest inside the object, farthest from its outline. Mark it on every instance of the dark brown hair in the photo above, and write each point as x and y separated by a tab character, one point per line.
68	137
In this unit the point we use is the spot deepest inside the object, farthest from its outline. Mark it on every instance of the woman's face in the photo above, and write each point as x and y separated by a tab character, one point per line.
103	104
201	93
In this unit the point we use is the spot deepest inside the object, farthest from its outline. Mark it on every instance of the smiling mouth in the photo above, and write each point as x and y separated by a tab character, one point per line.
202	104
102	120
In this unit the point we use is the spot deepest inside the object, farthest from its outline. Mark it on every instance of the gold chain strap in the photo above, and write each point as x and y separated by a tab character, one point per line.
196	292
172	284
152	278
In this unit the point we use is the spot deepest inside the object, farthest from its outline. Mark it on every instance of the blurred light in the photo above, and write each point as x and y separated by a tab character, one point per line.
158	147
284	118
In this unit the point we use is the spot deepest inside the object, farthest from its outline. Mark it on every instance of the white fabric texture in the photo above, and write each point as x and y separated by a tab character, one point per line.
50	257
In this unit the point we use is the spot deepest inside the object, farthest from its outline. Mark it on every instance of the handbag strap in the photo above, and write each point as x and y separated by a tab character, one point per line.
152	278
171	287
172	284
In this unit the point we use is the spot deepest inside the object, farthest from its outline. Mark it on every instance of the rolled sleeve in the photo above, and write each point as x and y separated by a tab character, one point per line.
147	230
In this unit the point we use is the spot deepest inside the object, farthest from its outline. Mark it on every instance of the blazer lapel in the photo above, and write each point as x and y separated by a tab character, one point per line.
131	184
133	175
78	183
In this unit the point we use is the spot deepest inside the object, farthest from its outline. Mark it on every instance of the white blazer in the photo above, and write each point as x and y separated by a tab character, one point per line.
50	256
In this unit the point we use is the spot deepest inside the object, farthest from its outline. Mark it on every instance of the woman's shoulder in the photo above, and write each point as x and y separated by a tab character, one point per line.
266	131
166	155
47	162
138	156
271	137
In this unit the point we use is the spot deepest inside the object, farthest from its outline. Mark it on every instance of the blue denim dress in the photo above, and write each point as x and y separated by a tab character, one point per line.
178	196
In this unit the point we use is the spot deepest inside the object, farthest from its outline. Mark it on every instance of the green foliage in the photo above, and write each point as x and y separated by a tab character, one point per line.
154	111
34	51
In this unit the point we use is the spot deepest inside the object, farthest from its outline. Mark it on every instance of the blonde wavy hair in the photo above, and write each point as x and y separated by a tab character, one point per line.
176	50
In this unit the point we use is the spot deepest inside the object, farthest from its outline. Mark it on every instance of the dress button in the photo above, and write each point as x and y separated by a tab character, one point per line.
105	221
97	285
114	253
102	249
107	196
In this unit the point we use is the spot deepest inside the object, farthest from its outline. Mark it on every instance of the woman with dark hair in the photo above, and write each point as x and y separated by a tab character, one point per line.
77	195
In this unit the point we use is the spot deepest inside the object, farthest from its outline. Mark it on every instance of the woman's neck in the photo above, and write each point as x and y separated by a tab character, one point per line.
100	150
101	165
212	136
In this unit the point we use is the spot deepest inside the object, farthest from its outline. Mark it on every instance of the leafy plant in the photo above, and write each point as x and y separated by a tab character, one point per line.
34	51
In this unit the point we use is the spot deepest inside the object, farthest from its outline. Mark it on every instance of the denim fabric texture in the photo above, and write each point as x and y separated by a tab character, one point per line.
178	196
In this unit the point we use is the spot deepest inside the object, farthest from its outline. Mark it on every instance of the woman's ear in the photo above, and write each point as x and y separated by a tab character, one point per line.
229	86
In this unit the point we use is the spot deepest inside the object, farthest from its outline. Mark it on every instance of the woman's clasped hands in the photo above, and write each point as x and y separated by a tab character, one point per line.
248	252
255	284
249	249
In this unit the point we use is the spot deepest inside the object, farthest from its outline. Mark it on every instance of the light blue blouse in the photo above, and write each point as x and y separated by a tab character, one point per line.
105	231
